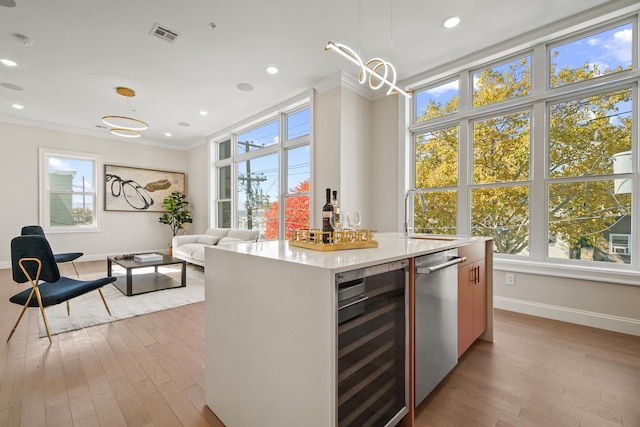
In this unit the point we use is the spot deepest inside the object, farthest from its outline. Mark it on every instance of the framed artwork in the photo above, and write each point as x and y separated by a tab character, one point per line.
139	190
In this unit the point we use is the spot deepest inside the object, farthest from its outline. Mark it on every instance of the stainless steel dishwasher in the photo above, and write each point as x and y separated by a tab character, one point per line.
436	319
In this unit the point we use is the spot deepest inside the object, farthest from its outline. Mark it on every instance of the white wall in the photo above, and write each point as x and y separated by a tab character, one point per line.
609	306
122	232
342	151
384	177
326	156
198	188
355	155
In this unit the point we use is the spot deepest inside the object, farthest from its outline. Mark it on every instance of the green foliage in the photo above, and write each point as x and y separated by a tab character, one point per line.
582	141
177	214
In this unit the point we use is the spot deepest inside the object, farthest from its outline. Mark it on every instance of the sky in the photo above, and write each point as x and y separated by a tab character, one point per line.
607	50
83	169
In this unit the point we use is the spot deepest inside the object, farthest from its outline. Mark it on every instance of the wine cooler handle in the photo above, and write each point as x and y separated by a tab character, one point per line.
358	301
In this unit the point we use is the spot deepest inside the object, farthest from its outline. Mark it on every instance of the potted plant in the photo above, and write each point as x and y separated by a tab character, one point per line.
177	214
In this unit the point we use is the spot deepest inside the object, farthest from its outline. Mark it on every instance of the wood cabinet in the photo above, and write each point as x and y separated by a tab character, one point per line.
472	295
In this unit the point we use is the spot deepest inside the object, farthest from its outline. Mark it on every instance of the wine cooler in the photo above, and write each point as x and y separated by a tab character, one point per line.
373	369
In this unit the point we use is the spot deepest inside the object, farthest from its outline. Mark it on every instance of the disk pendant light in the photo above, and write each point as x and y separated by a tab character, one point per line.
125	126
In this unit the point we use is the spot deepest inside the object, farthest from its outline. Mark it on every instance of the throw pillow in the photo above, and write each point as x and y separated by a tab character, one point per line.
205	239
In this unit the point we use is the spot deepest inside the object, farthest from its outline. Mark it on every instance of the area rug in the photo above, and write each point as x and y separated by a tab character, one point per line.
88	309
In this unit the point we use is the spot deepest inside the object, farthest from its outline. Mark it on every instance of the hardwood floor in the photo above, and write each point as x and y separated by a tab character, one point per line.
149	371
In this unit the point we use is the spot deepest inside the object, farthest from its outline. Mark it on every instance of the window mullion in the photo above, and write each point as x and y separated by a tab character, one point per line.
538	194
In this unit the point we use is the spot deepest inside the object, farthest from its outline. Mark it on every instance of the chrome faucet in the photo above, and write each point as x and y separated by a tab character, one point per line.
406	197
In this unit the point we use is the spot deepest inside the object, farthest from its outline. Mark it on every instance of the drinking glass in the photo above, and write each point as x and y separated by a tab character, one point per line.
354	219
335	224
337	227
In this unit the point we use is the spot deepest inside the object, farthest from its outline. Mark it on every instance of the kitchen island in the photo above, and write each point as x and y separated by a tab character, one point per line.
270	333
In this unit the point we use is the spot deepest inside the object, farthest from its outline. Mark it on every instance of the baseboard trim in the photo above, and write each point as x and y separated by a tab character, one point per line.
581	317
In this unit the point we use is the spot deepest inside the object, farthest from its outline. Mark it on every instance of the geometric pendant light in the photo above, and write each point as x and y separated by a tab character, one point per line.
125	126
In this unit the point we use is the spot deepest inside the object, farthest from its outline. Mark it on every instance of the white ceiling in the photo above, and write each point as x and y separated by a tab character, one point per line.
83	50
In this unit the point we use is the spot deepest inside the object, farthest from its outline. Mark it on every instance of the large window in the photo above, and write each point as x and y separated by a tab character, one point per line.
266	183
549	172
68	191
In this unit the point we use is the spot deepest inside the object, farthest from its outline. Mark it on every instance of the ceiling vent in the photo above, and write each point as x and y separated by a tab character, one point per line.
164	33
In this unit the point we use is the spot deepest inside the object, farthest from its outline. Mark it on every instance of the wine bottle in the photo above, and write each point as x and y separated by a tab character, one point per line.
327	211
336	211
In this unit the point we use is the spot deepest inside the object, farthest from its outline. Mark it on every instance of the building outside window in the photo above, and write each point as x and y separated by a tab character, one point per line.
537	155
263	175
68	191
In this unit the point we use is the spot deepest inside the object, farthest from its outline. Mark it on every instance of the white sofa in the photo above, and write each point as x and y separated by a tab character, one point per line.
190	247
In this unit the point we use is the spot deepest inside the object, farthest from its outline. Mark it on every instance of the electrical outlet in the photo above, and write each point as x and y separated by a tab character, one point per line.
510	279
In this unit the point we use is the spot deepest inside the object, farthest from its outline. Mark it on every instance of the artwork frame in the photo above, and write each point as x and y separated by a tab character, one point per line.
132	189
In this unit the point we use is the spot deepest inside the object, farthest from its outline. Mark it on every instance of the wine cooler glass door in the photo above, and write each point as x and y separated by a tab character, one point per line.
372	349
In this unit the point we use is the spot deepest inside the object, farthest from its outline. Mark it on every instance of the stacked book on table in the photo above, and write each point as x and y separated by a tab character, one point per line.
147	257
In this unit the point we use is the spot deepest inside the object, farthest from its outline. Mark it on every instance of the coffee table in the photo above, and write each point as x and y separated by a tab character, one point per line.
146	282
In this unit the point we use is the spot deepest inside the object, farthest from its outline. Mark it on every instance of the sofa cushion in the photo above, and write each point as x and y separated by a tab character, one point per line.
208	240
198	255
187	249
229	240
218	232
247	235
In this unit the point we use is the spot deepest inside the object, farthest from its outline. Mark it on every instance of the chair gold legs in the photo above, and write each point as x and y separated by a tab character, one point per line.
44	317
21	314
104	301
74	267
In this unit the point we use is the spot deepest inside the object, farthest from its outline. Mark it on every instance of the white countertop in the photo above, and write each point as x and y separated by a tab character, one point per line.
391	247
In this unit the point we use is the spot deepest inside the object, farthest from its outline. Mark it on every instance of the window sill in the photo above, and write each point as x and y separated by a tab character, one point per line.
580	272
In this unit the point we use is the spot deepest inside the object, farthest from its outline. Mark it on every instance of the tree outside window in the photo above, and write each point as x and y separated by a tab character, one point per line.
588	181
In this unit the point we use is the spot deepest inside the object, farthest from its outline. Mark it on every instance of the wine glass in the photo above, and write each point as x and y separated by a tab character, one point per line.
335	222
354	219
336	225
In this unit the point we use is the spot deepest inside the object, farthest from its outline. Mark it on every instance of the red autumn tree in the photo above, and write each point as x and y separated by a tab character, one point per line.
296	214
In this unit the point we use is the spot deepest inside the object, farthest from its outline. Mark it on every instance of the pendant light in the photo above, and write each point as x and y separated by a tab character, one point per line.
376	71
122	125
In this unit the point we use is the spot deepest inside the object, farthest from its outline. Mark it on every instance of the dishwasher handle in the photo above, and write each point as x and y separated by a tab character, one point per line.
432	269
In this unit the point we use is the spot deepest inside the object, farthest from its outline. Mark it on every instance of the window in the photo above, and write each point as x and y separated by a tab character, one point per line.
595	55
437	101
505	81
587	136
68	191
436	168
548	173
258	138
223	203
256	178
271	176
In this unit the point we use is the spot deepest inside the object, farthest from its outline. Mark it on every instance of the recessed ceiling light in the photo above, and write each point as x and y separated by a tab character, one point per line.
451	22
203	113
167	134
272	70
246	87
8	62
17	106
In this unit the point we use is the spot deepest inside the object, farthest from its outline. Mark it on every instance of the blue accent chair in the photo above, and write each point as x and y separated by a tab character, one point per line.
36	230
32	261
